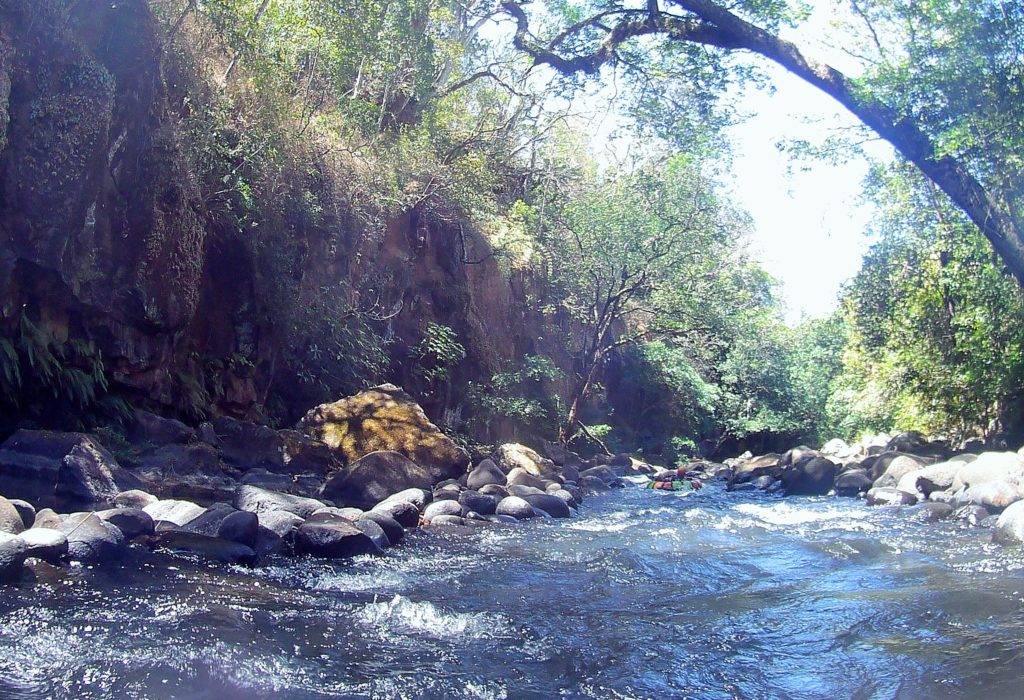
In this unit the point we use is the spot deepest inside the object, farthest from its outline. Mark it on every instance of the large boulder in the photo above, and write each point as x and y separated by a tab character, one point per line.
374	477
10	519
853	482
898	467
809	477
149	428
989	466
13	551
520	477
552	505
333	540
132	522
257	500
478	502
386	419
487	472
515	507
512	456
174	511
71	468
889	496
405	512
46	544
304	455
934	477
277	530
765	465
92	540
911	442
443	507
227	523
994	495
1010	525
392	528
248	445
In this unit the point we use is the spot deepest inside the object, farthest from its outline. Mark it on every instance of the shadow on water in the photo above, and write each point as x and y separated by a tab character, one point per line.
646	594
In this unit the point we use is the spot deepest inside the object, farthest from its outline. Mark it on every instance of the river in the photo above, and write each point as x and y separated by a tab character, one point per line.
645	594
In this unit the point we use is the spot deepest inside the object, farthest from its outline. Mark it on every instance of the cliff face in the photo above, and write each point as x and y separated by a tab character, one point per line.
108	236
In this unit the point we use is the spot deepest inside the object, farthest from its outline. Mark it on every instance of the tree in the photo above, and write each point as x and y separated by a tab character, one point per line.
586	37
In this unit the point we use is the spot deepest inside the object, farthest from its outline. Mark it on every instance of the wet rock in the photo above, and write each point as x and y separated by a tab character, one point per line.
814	476
523	491
503	519
973	515
942	497
889	496
333	540
374	531
520	477
13	551
174	511
601	473
385	418
898	467
749	470
156	430
444	507
485	473
560	454
304	455
205	546
552	505
450	492
515	507
418	497
592	484
265	479
26	510
932	511
392	528
134	498
763	482
449	520
910	442
10	519
404	512
374	477
853	482
132	522
1009	528
276	532
934	477
257	500
494	490
45	543
478	502
227	523
566	496
343	513
92	540
569	473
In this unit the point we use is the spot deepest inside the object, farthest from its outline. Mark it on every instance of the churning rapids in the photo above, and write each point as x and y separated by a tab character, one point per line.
645	594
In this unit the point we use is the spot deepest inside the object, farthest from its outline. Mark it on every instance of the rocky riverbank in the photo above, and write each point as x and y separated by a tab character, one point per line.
354	476
975	483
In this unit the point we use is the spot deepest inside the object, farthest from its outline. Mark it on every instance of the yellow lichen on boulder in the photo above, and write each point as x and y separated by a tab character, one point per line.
385	418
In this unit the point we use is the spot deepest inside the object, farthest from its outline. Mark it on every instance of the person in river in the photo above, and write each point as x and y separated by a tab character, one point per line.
679	480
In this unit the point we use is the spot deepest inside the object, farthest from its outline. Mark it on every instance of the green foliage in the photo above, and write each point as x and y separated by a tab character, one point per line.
523	397
438	353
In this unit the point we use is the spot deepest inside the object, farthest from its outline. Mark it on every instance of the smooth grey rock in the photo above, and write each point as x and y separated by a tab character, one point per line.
257	500
1009	529
515	507
13	551
552	505
134	498
485	473
406	513
392	528
174	511
418	497
46	544
889	496
494	490
333	540
132	522
10	519
92	540
448	520
853	482
26	510
48	518
374	477
206	546
374	531
444	507
994	495
478	502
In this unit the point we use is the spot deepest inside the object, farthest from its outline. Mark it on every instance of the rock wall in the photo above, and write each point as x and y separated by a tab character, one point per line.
108	235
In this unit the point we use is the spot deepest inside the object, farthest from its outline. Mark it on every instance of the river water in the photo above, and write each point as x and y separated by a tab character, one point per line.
645	594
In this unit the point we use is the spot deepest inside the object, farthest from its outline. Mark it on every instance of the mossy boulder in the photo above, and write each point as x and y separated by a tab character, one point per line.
386	419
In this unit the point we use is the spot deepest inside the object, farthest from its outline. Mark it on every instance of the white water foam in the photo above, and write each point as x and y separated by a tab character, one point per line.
423	617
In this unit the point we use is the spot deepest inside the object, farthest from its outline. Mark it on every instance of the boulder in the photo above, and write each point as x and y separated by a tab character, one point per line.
814	476
521	477
26	510
522	491
512	456
257	500
174	511
343	513
386	419
445	507
392	528
994	495
552	505
592	484
149	428
304	455
515	507
450	492
502	519
374	477
1009	527
374	531
836	447
333	540
934	477
896	468
449	520
276	531
494	490
225	522
972	514
34	467
205	546
989	466
159	463
853	482
404	512
249	445
132	522
931	511
265	479
560	454
889	496
601	473
13	551
418	497
478	502
911	442
134	498
765	465
92	540
46	544
48	518
485	473
10	519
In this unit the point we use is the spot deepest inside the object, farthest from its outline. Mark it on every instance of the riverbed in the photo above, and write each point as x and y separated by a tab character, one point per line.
644	594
